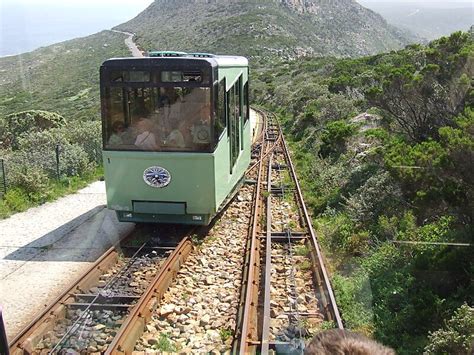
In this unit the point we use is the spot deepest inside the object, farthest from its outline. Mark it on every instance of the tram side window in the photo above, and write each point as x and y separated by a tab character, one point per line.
246	102
115	122
220	120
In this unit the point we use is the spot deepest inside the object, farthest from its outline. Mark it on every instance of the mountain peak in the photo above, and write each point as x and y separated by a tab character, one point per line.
266	27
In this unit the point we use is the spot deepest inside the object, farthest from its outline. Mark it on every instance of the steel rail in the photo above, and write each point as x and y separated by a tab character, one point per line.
26	340
249	332
253	339
133	327
268	265
246	330
75	326
334	311
262	133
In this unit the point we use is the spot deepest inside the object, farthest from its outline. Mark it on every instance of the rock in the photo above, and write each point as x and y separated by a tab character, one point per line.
302	308
186	310
210	280
99	327
205	319
152	341
167	309
204	262
213	335
150	328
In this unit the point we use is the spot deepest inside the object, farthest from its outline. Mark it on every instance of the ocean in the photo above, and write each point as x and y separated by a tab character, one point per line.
24	28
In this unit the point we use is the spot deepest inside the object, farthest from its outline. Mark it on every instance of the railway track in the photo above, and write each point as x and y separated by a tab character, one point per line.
93	312
255	281
287	294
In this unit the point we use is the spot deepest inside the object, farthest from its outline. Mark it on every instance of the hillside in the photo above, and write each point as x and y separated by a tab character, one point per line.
63	77
285	27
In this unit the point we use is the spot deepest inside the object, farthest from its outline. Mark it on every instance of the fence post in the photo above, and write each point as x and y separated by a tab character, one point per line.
3	336
98	154
58	147
3	181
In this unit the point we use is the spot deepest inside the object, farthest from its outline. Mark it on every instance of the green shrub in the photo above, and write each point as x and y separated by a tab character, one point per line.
18	124
457	337
32	180
16	200
74	161
379	194
334	137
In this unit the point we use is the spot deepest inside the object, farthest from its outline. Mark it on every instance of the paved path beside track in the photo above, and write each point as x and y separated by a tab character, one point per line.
44	249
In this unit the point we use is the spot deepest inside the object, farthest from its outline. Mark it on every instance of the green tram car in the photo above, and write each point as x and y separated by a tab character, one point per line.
176	135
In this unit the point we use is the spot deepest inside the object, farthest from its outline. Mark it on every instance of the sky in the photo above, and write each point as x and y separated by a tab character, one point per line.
424	3
28	24
447	2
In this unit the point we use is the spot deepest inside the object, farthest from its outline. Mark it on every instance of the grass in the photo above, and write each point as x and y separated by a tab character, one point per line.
291	225
17	200
164	344
225	334
302	250
305	265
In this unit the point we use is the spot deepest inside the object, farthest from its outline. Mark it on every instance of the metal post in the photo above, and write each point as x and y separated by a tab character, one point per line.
4	178
3	333
58	147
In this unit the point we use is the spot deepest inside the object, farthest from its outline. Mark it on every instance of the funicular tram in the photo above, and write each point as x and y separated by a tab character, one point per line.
176	134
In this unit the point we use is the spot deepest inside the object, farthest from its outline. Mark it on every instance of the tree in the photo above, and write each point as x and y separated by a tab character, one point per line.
424	95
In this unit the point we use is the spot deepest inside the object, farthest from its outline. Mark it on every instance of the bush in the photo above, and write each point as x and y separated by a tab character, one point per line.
380	194
457	337
16	200
74	161
334	137
39	148
18	124
88	135
32	180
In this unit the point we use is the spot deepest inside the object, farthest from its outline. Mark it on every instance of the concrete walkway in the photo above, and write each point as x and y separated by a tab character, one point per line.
44	249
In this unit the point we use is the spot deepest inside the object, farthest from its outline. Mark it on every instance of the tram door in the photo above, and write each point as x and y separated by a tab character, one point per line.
234	126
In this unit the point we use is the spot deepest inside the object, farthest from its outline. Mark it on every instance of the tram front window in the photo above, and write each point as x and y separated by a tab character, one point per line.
158	119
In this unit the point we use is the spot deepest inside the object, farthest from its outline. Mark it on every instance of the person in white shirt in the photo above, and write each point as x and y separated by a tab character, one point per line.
145	139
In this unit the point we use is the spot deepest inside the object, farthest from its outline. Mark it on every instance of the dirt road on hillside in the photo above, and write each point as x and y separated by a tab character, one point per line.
131	44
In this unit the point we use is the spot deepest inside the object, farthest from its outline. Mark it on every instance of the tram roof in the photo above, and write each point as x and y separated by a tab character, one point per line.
213	60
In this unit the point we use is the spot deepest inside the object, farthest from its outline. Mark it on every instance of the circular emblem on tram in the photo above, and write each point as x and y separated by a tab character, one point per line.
156	176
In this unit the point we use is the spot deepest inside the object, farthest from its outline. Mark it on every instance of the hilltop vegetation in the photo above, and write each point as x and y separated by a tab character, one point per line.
385	147
62	78
264	28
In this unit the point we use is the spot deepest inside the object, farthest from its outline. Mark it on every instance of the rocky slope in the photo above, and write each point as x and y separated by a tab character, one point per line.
259	28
